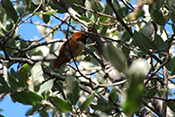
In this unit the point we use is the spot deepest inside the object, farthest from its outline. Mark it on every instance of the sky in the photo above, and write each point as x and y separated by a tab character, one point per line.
28	31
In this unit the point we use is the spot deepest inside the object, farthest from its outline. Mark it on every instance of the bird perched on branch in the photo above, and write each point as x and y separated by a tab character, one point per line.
71	48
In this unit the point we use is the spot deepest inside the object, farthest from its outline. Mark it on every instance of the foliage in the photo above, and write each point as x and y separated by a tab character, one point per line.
128	61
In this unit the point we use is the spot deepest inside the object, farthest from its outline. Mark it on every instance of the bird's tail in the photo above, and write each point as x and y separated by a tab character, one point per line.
60	61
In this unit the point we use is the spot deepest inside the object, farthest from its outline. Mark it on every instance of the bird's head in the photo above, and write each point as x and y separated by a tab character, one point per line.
79	36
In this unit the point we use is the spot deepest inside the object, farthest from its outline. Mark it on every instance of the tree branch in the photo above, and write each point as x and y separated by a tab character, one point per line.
71	11
119	18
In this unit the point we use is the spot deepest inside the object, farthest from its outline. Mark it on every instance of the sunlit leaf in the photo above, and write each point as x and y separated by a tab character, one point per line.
50	12
36	2
37	75
46	86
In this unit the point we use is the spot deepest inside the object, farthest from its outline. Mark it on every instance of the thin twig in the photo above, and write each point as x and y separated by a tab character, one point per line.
99	13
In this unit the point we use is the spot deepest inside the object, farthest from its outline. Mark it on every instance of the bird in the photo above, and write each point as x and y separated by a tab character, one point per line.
71	48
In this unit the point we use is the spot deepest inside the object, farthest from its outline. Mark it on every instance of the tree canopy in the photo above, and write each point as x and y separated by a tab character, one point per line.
126	69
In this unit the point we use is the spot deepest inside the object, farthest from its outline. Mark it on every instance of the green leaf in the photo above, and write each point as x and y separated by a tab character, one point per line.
172	16
1	55
13	82
159	4
9	9
135	14
171	63
28	2
126	36
23	44
13	73
23	75
102	105
113	96
171	105
171	5
143	42
173	72
36	2
103	30
157	16
2	14
2	80
29	98
46	86
84	18
50	12
87	102
34	109
152	92
116	57
126	52
60	104
54	5
21	10
94	5
4	89
118	7
46	18
134	92
108	9
9	26
102	102
71	89
161	45
173	27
